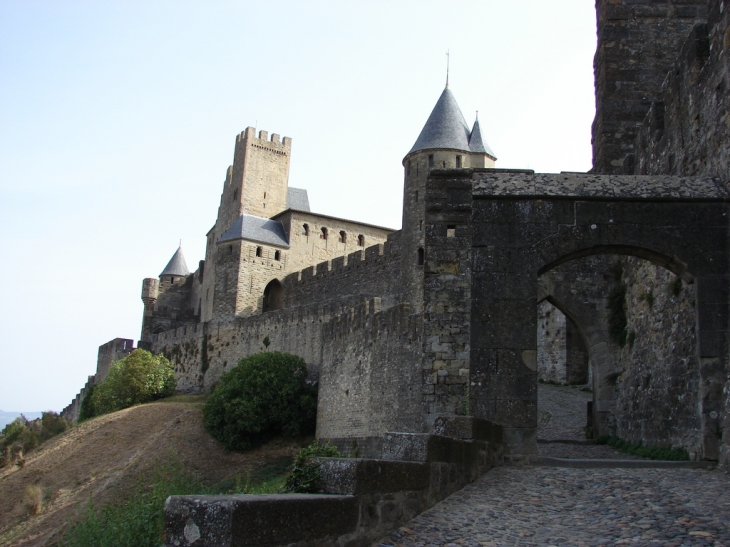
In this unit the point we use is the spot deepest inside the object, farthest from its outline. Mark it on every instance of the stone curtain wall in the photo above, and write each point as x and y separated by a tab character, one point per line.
638	40
370	373
374	272
656	397
366	361
296	330
687	130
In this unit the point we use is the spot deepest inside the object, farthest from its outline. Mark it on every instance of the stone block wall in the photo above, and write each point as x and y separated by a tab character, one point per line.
638	41
552	348
371	372
688	127
657	390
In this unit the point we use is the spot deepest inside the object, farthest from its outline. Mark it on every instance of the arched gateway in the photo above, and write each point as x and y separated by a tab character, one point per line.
512	229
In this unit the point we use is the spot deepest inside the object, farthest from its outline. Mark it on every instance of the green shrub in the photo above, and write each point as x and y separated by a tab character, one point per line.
306	473
140	377
264	396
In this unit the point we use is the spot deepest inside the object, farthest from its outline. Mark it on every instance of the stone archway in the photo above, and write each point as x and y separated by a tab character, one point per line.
513	227
273	296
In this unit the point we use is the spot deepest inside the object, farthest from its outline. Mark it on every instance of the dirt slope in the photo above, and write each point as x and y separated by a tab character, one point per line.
102	458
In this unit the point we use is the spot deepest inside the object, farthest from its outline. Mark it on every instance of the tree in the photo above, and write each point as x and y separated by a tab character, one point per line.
140	377
264	396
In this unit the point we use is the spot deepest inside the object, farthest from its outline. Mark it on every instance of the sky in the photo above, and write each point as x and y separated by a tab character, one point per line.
118	121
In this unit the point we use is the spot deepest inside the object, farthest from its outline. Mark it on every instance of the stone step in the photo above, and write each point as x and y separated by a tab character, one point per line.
565	441
622	464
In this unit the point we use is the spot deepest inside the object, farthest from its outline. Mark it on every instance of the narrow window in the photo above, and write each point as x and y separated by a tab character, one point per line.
264	195
458	162
343	236
324	233
420	226
305	229
235	194
277	255
420	256
430	160
230	249
416	195
361	240
259	251
172	280
444	162
450	230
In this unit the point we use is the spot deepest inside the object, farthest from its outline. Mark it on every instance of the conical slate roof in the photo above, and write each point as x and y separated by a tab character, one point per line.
445	128
177	265
476	144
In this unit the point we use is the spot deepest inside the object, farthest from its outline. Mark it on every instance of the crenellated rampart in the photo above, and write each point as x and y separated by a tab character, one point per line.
371	272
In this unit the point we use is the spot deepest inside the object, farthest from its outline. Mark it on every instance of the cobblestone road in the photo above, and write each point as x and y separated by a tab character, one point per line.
562	412
547	506
541	506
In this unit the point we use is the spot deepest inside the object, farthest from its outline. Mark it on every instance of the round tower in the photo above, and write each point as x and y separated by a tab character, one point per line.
445	142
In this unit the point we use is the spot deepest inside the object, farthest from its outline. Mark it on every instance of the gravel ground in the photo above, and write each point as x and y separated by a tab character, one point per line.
542	506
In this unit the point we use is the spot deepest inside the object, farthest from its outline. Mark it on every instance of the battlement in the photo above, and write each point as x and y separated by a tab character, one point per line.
274	144
375	254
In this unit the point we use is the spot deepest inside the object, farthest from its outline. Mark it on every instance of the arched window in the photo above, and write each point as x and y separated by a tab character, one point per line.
277	255
421	256
430	160
273	296
343	236
324	233
361	240
158	330
259	251
305	229
458	162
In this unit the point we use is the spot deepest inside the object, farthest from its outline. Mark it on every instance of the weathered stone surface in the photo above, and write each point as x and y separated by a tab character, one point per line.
245	520
355	476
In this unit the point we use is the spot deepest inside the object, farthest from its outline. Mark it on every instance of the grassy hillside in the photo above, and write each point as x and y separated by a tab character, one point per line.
102	460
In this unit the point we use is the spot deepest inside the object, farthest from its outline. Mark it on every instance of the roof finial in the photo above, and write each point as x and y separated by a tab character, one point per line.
477	115
447	68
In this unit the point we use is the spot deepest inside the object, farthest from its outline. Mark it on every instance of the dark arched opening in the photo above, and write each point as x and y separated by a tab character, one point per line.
273	296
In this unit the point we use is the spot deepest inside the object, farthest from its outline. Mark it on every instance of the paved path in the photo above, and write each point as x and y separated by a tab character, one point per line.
562	412
541	506
548	506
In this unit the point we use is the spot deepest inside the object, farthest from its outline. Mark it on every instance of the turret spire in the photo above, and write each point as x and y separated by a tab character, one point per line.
448	57
177	265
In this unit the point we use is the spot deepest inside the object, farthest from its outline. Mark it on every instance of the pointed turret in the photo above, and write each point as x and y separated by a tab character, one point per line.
177	266
477	144
445	128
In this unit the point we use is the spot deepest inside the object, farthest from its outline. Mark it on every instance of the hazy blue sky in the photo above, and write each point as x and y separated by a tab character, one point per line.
118	120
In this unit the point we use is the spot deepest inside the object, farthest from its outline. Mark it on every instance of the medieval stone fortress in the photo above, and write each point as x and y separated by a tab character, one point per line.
618	278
